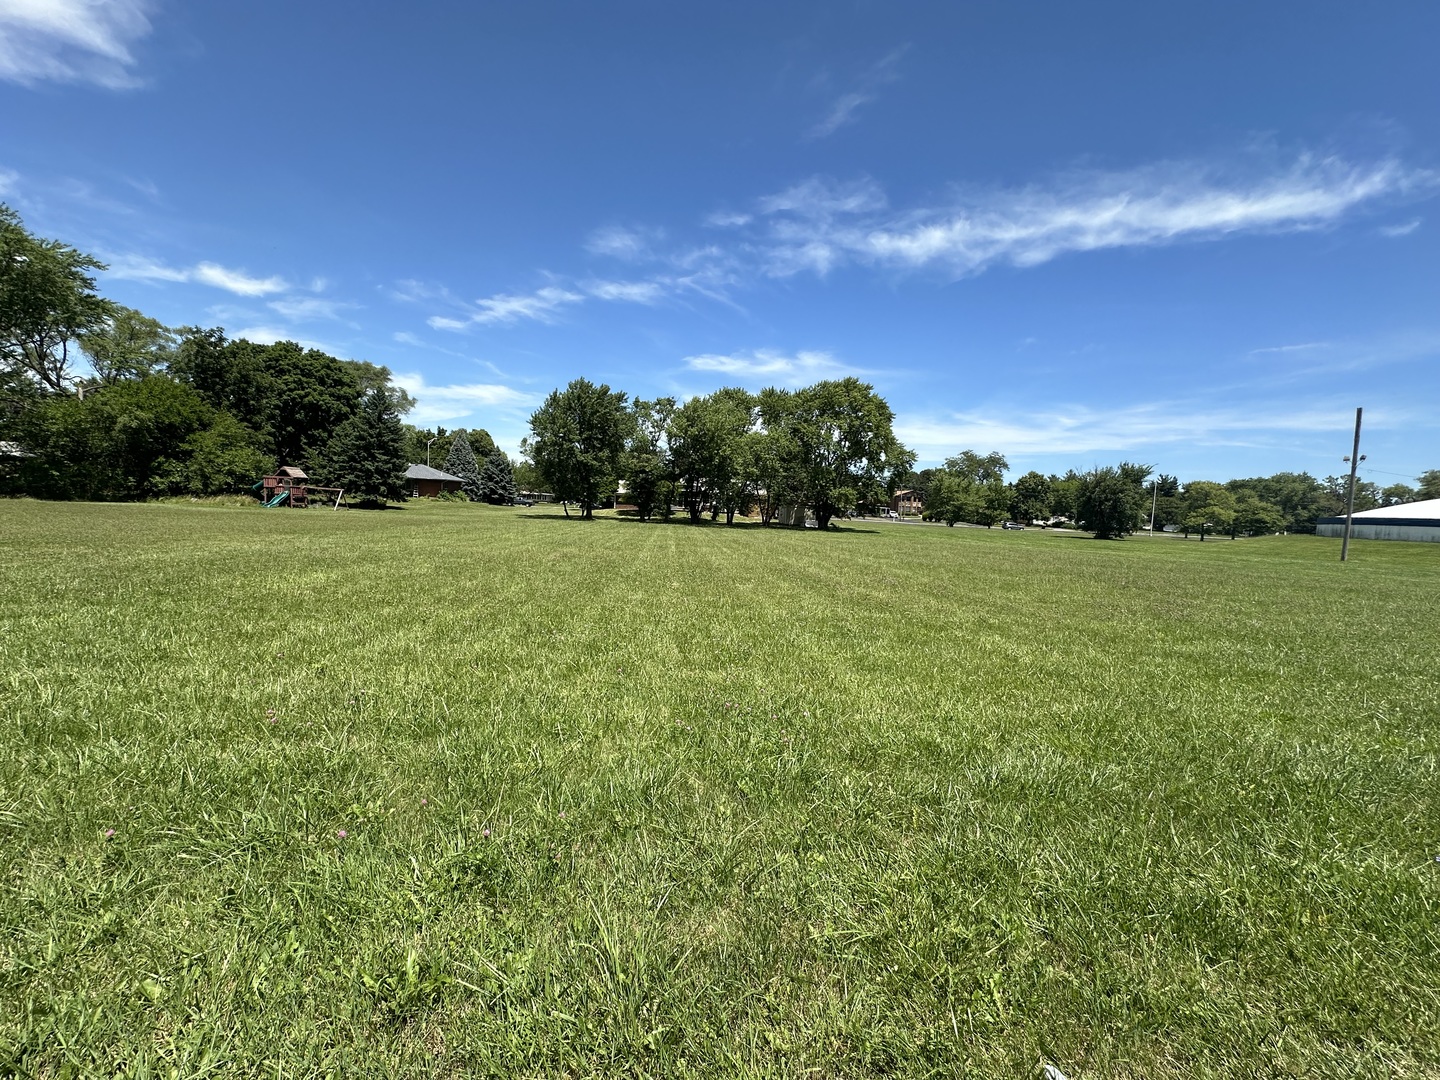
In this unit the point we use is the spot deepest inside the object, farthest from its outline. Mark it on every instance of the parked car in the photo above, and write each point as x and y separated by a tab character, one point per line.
893	514
1012	525
520	500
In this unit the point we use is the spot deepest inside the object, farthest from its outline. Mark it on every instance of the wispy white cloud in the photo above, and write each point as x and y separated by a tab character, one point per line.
540	305
236	281
444	322
820	224
635	292
823	199
143	268
1078	429
436	404
9	181
727	219
404	337
630	244
1302	347
308	308
773	366
844	108
71	40
1400	230
269	335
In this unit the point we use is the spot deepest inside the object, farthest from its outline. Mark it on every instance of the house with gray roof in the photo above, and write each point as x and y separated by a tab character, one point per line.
423	482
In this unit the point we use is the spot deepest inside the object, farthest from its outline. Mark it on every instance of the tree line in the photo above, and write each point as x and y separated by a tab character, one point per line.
827	447
1120	499
830	449
99	401
185	411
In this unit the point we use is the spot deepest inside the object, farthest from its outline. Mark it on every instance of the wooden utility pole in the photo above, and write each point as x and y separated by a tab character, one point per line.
1354	460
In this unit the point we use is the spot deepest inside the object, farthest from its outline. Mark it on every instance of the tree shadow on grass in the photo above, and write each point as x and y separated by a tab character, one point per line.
683	522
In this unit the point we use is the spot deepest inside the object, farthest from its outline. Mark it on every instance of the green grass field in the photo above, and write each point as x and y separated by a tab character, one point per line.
457	791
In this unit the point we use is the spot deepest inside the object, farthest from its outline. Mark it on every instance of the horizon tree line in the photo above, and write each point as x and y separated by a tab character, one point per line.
188	411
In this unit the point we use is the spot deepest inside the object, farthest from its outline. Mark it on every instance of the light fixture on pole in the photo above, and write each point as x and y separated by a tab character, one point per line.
427	451
1354	459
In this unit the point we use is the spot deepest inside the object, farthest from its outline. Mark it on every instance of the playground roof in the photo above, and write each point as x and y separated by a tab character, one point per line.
425	472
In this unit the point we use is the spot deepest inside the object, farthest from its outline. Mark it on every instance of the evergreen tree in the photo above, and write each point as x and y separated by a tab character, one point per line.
366	455
497	479
461	462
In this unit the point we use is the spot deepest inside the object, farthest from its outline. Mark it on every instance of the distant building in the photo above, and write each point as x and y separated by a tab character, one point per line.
1408	521
906	501
423	482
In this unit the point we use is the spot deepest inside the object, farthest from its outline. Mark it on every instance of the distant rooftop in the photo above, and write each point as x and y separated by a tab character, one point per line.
1425	508
425	472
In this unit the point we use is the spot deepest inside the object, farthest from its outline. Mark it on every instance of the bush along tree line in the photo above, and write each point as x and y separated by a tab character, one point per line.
826	448
98	401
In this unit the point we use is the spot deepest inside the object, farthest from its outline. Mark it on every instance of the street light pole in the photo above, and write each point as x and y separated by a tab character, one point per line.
1354	459
427	451
1154	494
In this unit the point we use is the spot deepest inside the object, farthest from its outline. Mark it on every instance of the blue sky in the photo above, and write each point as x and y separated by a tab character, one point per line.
1197	236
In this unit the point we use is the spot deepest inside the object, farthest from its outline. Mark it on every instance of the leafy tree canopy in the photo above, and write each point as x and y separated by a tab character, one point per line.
577	438
1110	500
127	345
1428	484
842	436
48	300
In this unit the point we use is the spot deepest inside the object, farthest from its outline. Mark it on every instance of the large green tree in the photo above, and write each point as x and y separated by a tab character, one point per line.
1254	516
971	487
223	458
772	457
48	300
366	454
843	439
127	345
1428	484
578	437
122	442
311	395
649	478
1030	497
1111	499
707	449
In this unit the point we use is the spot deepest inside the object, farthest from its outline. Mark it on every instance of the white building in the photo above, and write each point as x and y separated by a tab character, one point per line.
1408	521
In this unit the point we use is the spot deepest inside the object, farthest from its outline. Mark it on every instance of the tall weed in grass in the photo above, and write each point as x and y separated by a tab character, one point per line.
459	791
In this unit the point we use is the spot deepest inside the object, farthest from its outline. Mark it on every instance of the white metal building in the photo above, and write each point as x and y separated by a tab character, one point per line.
1408	521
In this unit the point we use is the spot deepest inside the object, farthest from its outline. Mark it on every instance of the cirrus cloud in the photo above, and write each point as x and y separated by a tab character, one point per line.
773	365
821	224
71	41
143	268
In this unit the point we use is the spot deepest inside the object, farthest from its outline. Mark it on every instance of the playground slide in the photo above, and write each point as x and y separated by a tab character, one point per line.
278	499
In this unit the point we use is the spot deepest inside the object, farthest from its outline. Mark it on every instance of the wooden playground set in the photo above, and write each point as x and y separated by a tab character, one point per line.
291	487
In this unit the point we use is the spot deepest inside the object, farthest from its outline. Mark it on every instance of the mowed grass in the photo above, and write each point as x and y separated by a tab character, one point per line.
458	791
